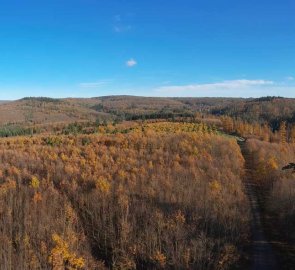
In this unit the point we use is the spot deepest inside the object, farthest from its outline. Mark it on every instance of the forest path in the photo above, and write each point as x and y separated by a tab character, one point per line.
263	256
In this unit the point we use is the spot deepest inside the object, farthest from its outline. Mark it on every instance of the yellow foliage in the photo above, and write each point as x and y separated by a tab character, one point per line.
26	240
70	213
63	157
215	186
172	127
82	162
5	187
102	185
122	174
160	258
150	165
61	254
35	183
272	163
135	170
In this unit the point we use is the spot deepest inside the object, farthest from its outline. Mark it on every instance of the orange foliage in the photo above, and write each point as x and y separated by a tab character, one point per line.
150	197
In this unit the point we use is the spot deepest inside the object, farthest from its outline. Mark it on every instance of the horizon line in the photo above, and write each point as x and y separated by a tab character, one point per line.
142	96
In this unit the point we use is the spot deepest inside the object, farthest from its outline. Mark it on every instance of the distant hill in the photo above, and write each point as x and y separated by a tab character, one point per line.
45	110
42	110
132	106
272	110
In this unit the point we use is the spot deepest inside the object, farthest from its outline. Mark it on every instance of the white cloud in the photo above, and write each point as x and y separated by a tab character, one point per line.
290	78
94	84
219	86
131	63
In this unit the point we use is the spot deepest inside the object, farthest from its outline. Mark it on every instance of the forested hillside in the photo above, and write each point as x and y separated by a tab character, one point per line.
144	183
162	197
46	111
268	110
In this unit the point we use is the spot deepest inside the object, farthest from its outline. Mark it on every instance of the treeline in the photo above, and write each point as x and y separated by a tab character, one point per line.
146	114
149	199
42	99
268	110
284	134
158	115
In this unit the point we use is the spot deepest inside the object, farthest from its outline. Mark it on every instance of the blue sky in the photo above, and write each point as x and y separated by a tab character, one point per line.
85	48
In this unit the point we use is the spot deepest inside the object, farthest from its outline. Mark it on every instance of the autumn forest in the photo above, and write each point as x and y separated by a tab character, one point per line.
128	182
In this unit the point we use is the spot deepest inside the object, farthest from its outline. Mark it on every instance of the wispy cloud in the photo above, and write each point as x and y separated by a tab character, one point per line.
122	28
96	84
119	25
290	78
131	63
218	86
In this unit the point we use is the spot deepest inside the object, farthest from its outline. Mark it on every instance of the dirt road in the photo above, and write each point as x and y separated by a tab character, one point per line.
263	256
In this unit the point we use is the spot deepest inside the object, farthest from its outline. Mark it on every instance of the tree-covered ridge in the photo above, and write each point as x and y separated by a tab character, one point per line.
41	99
268	110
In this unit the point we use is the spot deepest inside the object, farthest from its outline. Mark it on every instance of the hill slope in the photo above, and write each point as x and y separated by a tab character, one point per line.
267	109
46	110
